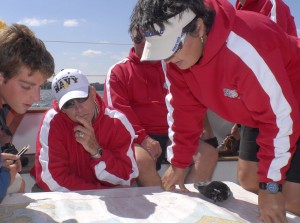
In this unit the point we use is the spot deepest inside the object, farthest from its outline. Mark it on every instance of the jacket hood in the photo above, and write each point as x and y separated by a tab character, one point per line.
222	25
257	3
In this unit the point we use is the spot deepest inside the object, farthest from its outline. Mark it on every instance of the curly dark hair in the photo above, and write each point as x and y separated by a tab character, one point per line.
134	27
146	13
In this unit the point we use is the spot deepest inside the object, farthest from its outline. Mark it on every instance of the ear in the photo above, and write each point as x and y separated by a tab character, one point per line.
201	27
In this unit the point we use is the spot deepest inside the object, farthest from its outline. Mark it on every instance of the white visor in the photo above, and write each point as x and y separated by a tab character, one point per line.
163	45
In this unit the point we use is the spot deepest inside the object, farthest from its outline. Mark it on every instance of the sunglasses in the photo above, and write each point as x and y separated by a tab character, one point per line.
70	104
179	46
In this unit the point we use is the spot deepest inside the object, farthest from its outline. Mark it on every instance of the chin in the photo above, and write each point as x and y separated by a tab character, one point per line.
183	66
21	110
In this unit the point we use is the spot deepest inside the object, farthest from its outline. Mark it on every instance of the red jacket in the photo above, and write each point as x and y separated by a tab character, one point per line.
245	79
276	10
62	164
138	89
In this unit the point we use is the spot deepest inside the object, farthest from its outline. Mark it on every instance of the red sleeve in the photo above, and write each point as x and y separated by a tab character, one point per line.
285	19
116	95
117	165
184	119
277	115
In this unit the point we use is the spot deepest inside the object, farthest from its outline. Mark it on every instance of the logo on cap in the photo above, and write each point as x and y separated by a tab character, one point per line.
149	33
65	83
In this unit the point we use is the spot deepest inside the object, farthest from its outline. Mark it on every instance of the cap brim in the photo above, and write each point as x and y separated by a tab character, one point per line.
160	47
163	46
79	93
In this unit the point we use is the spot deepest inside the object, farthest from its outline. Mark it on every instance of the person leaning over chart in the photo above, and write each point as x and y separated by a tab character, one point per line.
138	89
243	67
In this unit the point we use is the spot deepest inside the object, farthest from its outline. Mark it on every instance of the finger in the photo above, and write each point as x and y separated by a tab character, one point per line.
154	157
173	187
9	156
151	153
159	152
7	163
183	188
79	128
13	166
156	154
270	219
19	165
167	184
87	124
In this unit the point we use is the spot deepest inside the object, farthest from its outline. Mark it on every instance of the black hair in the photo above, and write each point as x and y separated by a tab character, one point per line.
134	27
146	13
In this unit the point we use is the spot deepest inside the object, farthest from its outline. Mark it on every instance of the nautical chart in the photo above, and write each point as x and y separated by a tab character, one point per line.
141	205
46	212
84	208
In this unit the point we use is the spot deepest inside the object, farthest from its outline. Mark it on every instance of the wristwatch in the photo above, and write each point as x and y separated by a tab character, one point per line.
271	187
98	154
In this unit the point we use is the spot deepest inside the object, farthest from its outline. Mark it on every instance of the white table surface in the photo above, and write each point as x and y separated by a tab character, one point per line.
136	204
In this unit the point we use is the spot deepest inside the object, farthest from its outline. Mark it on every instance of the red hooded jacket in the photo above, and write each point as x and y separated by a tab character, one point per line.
249	74
138	89
276	10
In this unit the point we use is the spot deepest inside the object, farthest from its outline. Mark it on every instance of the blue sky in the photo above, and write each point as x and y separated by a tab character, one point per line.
94	21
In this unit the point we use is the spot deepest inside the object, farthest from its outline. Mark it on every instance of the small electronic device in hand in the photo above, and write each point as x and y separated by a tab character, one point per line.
214	190
23	150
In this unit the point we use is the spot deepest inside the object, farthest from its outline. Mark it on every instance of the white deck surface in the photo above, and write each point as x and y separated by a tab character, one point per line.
137	204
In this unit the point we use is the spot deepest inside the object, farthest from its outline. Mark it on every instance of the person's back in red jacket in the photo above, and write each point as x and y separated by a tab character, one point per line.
276	10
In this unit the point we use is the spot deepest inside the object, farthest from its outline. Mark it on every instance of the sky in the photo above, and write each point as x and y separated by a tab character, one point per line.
90	35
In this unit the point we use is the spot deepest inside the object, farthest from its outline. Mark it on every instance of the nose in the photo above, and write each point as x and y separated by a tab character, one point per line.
36	95
77	106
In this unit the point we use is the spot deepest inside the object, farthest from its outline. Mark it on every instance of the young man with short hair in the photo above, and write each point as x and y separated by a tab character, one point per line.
25	64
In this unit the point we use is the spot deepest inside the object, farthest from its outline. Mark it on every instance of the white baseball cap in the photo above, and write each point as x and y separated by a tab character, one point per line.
163	45
69	84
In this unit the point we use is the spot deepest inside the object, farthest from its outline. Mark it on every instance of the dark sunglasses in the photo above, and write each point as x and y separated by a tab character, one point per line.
179	46
70	104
